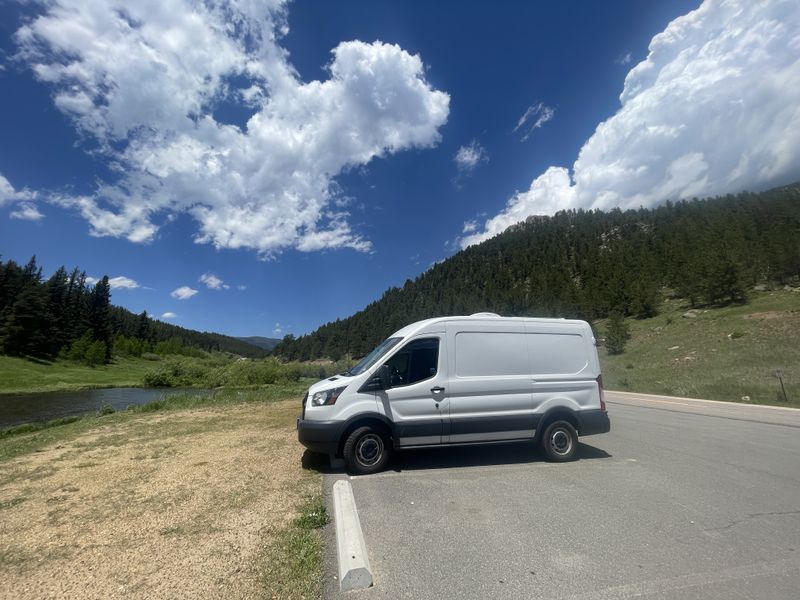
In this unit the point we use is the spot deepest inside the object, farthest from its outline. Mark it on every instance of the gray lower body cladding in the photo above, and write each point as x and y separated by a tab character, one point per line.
325	436
319	436
591	422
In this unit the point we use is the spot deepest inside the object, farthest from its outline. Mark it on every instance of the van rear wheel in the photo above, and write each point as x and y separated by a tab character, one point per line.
365	451
560	442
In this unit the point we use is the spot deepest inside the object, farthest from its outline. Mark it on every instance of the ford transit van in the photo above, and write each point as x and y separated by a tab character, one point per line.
461	380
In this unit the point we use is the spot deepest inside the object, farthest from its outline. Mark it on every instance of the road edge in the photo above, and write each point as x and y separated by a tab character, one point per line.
703	400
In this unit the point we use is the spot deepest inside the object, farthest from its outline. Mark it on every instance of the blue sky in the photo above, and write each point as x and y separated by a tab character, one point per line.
173	148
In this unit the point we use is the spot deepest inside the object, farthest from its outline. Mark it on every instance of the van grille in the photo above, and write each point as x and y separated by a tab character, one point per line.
303	412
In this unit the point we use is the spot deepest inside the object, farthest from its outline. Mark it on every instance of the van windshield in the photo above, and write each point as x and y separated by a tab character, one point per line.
374	356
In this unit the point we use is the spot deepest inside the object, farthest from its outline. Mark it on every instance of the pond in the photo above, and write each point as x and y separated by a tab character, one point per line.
27	408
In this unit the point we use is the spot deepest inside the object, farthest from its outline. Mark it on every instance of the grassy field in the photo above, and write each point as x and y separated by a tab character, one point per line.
187	498
725	353
23	376
20	376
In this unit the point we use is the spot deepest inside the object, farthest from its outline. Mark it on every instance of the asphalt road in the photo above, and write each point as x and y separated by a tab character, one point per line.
683	499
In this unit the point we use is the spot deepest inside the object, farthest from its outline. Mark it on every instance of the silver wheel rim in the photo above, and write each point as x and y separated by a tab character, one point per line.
561	441
369	449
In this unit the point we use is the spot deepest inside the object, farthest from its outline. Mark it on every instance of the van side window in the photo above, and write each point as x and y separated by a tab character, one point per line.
416	361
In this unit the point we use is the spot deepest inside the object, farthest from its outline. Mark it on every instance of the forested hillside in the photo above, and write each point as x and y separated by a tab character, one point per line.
63	315
589	264
262	342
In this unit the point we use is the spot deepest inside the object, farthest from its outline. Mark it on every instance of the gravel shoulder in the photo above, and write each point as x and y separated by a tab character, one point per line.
181	504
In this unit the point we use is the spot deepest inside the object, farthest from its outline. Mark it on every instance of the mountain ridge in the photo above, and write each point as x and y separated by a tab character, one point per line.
265	343
589	264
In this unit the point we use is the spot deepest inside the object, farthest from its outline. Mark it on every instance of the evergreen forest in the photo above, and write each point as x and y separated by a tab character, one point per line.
590	264
65	316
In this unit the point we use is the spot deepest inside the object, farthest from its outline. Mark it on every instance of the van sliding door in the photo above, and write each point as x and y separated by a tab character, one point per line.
490	388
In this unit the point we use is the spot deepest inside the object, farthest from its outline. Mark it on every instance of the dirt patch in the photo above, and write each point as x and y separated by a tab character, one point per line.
768	315
161	506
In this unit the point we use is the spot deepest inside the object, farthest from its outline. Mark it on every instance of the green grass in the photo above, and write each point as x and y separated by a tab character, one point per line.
296	555
22	376
23	439
727	353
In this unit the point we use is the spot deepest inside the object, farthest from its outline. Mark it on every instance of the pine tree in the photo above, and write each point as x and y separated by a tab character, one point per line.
25	331
143	326
99	314
617	334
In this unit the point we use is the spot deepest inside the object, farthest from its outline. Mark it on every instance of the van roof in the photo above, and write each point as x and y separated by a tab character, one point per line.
413	328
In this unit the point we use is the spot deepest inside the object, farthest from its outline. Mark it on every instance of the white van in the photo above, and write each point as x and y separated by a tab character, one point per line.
461	380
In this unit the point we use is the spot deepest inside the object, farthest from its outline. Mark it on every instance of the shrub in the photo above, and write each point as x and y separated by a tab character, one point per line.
124	346
176	346
96	354
159	378
86	351
79	348
617	334
150	356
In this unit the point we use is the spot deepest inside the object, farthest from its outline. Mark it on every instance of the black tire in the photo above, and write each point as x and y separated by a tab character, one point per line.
560	442
366	451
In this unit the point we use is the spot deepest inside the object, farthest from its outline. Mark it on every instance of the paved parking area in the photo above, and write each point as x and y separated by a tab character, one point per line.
668	505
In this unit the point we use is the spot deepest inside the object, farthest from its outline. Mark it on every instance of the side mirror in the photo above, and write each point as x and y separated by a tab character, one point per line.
381	380
385	377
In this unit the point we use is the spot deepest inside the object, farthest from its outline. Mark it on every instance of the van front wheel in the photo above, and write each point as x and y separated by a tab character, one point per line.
365	451
560	442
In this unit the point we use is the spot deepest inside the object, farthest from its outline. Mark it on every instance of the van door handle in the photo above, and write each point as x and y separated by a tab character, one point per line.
438	388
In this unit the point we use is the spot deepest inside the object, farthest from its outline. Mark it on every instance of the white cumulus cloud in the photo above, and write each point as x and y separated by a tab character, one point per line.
169	315
123	283
713	109
183	293
24	207
213	282
469	226
533	118
142	80
26	211
117	283
624	59
470	156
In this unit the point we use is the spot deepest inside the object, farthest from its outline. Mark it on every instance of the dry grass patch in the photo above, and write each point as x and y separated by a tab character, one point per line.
186	504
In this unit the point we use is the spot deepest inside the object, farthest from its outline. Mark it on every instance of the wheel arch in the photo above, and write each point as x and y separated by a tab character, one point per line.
557	413
375	420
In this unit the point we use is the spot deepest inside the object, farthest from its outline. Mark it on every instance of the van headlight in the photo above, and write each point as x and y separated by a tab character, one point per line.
327	397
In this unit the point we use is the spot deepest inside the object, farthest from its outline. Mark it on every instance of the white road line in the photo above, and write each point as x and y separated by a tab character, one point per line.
650	398
659	401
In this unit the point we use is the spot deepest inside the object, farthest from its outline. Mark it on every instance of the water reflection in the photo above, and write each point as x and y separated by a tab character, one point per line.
27	408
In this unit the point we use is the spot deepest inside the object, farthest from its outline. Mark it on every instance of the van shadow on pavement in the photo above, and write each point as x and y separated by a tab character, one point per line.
450	457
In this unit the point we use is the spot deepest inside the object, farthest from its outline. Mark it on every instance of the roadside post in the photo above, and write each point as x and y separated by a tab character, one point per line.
779	374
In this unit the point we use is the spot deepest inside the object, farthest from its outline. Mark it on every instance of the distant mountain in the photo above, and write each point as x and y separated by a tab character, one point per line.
590	264
264	343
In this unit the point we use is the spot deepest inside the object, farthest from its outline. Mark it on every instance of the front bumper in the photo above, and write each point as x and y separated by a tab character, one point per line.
593	421
319	436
